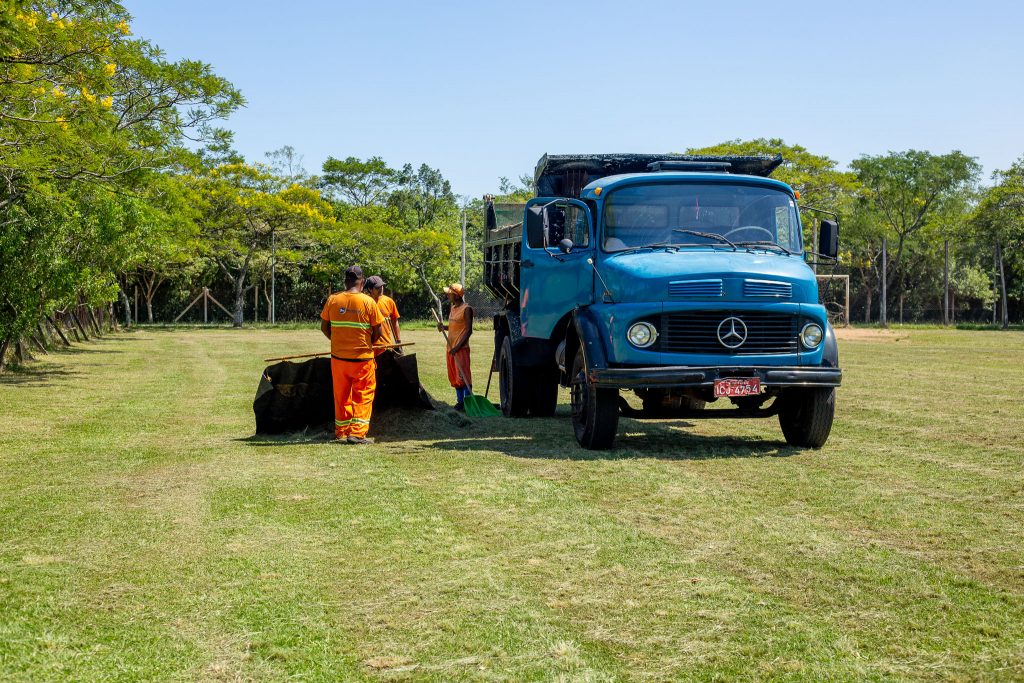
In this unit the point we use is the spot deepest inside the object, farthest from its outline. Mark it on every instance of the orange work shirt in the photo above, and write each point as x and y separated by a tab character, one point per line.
390	312
351	317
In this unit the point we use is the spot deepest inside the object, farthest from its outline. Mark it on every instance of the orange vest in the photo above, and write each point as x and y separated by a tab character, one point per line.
457	324
351	317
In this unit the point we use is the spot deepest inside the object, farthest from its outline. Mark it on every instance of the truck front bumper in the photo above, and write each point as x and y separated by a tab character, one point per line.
679	376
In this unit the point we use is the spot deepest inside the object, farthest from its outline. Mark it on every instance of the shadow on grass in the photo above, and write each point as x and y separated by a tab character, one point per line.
553	439
422	432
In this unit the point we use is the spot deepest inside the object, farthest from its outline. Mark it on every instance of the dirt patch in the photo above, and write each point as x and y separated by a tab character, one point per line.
869	334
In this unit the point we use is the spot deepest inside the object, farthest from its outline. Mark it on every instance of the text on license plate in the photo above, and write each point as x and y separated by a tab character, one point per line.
738	386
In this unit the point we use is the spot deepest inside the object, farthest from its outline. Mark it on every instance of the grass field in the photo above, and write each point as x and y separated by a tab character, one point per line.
146	535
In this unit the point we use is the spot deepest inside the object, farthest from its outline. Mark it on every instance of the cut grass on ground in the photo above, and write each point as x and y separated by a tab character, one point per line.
146	534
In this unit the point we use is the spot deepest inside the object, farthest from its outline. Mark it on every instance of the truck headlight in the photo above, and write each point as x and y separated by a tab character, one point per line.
642	335
811	335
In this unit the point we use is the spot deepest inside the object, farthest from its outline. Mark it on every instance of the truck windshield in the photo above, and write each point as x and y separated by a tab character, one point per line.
665	214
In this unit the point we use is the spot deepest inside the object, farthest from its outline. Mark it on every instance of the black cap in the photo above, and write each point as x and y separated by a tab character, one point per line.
374	281
354	273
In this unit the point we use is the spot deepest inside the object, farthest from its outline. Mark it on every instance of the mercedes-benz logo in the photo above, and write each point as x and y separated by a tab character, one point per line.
732	332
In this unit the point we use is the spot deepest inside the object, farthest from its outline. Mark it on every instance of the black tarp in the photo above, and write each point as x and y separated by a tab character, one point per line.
296	396
564	175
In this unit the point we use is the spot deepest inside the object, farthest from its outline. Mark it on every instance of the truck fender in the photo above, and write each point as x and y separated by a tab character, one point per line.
830	353
589	334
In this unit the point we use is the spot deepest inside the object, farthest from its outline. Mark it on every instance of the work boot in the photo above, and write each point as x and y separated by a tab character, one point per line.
360	440
460	407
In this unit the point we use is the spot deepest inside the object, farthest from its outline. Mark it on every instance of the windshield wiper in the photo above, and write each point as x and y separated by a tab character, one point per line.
706	235
768	245
659	245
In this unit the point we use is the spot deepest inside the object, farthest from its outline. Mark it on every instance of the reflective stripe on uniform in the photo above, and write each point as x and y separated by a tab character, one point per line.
345	323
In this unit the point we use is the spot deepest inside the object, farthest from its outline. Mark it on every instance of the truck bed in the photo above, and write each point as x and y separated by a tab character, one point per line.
503	230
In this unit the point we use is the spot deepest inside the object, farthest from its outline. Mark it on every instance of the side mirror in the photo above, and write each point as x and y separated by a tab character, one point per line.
828	239
565	246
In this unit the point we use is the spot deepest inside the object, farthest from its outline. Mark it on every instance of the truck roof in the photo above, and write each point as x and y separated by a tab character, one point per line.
565	175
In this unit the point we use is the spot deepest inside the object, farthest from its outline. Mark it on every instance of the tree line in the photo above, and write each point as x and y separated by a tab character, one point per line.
121	197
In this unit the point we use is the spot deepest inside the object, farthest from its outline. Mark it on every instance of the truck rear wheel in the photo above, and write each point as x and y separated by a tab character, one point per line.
513	383
595	412
545	393
806	416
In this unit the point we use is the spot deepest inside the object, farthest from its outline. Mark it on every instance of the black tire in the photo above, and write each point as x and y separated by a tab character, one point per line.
514	388
595	412
545	393
806	416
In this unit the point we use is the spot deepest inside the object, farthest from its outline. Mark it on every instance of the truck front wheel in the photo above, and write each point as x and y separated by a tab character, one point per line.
513	383
806	416
595	412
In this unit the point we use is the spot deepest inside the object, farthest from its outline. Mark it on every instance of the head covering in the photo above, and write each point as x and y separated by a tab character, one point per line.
374	281
353	273
456	288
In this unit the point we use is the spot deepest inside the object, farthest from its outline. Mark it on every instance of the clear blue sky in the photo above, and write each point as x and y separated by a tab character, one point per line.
481	90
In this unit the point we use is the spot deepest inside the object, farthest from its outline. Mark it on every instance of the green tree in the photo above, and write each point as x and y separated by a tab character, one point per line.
909	191
999	221
244	207
357	182
814	176
87	114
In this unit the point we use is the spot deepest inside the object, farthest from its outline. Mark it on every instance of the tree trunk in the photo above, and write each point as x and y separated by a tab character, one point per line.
1002	287
149	308
19	352
901	306
38	344
43	337
945	282
127	308
60	332
4	345
239	305
78	321
95	321
883	319
867	308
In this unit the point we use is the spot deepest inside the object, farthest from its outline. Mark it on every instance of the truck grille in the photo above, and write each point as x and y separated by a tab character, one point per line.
697	332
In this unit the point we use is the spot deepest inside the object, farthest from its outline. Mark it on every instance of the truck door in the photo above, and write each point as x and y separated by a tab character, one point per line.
553	282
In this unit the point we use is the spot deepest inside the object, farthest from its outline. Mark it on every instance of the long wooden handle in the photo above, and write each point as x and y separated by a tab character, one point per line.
327	353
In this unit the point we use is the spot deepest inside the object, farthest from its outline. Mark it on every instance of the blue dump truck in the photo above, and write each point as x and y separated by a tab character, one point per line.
681	278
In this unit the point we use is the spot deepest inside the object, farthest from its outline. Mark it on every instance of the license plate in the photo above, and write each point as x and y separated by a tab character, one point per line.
738	386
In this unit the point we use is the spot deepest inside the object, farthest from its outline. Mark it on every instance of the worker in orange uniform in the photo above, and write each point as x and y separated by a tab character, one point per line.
353	323
388	308
460	328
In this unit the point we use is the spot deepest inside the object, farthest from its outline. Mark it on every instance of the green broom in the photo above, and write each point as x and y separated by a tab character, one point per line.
476	406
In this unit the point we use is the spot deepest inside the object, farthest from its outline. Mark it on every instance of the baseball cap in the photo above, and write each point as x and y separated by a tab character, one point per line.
455	287
374	281
354	273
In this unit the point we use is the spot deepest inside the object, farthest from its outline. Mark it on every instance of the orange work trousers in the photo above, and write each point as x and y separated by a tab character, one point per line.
355	383
460	361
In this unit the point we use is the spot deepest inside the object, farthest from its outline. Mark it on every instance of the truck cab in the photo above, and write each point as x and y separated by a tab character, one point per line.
683	279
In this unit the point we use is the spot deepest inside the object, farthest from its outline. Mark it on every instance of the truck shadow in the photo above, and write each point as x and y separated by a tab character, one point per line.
552	439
